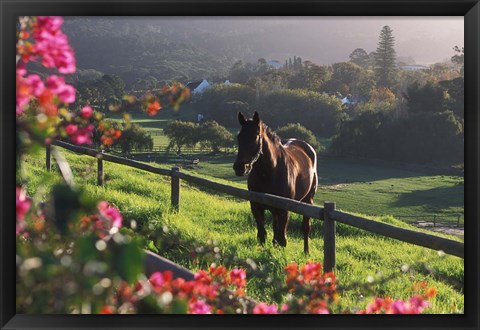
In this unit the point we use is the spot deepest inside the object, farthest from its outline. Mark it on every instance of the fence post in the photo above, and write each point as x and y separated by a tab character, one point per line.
100	175
175	193
328	237
48	154
434	220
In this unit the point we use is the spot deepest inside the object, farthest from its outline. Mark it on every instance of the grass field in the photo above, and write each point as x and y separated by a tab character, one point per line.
354	186
224	227
370	189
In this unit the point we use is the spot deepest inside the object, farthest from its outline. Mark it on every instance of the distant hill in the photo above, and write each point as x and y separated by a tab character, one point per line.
165	48
137	52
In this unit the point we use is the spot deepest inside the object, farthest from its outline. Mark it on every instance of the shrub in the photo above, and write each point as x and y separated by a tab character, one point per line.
317	112
214	136
223	101
299	132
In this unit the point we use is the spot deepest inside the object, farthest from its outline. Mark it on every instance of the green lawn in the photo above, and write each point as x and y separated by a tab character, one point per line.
355	186
370	189
213	228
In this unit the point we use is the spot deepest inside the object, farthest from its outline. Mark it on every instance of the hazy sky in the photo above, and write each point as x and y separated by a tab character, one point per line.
323	40
427	39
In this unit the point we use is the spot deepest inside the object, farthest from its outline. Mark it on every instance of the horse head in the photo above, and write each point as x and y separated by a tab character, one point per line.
250	140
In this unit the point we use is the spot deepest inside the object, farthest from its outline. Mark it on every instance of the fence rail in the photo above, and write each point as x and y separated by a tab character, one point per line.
328	213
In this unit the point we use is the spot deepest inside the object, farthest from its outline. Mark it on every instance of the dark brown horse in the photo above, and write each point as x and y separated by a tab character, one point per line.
285	168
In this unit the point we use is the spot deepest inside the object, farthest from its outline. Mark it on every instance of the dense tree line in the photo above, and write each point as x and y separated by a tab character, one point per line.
425	137
367	99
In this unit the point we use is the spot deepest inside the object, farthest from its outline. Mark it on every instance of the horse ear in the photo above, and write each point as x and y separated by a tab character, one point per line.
256	117
241	118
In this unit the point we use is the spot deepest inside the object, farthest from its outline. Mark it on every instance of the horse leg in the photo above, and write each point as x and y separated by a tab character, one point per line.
280	221
259	215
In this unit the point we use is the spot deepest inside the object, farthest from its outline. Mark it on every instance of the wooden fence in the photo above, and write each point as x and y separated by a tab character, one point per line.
328	213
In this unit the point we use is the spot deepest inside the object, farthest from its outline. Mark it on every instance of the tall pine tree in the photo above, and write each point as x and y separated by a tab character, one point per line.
385	56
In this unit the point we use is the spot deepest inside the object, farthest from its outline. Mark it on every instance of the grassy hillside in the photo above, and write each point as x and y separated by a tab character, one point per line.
212	228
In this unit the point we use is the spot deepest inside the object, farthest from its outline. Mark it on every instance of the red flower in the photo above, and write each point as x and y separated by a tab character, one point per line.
238	277
153	107
71	129
106	310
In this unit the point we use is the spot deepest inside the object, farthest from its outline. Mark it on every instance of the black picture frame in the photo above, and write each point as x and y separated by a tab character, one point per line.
10	9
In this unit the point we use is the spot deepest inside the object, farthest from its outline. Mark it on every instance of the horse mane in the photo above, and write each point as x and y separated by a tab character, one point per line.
271	134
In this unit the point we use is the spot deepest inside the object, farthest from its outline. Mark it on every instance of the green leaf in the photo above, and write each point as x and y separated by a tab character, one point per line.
179	306
129	261
85	249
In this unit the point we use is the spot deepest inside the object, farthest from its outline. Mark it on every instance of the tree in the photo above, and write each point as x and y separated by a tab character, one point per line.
216	102
181	134
312	77
317	112
360	57
135	137
385	58
213	135
117	84
427	98
459	58
344	78
365	83
455	95
239	73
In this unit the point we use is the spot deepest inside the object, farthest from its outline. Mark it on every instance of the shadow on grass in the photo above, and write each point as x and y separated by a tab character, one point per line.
433	200
336	171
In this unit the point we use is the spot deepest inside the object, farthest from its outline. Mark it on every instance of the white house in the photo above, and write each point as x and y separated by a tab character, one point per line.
198	86
275	64
414	67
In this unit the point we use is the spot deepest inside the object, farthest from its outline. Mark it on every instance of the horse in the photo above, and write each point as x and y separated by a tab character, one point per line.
286	168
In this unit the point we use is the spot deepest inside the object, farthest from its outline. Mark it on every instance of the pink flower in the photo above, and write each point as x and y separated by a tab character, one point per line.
67	95
418	304
238	277
57	85
156	279
398	307
22	205
71	129
111	214
50	23
23	95
52	45
263	308
83	136
322	310
199	307
375	306
86	112
311	270
36	84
